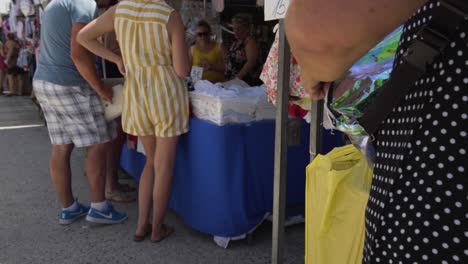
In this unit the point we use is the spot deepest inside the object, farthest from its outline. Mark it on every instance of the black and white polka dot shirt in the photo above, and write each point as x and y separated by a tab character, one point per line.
417	210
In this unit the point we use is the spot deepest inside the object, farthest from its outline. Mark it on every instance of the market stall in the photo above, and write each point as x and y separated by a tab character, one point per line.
225	165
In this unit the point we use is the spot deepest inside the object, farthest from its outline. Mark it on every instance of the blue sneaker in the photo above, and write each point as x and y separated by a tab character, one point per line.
67	217
107	216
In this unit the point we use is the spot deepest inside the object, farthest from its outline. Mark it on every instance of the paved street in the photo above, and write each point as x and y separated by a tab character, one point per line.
29	229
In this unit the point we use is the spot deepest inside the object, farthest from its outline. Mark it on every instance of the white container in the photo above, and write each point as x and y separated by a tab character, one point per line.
222	111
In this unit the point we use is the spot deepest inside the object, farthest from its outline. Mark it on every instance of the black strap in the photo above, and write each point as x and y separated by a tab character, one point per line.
430	42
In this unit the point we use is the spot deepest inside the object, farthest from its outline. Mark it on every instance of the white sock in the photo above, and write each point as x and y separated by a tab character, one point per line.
99	206
72	207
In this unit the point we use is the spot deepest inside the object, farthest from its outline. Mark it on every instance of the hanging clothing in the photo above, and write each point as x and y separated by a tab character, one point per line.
236	59
14	11
6	28
20	30
27	8
28	24
155	99
214	56
417	209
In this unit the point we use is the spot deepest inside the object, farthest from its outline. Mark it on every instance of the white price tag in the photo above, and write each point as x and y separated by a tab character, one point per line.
276	9
196	73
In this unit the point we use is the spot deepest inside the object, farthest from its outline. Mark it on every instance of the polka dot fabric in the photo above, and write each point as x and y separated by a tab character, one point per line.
417	211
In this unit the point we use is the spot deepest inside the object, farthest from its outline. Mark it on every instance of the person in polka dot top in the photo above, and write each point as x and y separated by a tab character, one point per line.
417	209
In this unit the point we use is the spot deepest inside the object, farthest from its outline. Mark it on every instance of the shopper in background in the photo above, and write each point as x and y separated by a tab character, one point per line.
14	73
155	103
110	41
72	109
208	54
115	191
2	67
417	210
243	56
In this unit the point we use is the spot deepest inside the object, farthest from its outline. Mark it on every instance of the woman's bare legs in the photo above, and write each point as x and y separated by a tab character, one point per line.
164	160
20	82
145	193
11	84
114	190
2	80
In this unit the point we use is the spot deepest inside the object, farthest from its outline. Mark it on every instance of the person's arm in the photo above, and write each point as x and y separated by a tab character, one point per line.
89	35
328	36
252	55
85	64
180	57
9	50
2	52
191	55
110	41
84	60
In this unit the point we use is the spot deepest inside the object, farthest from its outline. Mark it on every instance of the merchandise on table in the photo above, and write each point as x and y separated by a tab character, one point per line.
230	103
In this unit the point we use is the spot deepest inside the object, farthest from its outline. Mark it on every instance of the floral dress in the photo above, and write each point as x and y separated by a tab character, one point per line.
236	59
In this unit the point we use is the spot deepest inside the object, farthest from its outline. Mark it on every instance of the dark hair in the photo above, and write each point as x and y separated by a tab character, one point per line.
204	24
243	19
11	36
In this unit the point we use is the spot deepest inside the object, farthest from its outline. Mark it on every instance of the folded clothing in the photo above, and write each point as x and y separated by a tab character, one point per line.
233	103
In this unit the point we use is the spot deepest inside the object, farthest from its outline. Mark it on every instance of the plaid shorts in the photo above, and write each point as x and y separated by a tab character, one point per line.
74	114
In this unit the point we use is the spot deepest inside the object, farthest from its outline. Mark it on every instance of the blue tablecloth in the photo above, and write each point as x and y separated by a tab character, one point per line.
223	182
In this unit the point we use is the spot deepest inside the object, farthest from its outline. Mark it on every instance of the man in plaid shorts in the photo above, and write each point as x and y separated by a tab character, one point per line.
68	88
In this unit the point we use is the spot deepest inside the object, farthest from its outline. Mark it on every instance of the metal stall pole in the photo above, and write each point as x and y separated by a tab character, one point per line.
104	69
316	129
103	61
204	9
281	148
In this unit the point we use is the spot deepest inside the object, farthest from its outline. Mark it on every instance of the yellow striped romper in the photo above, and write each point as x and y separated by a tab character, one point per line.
155	99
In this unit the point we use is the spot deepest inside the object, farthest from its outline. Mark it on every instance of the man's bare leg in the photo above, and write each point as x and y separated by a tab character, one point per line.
60	173
95	170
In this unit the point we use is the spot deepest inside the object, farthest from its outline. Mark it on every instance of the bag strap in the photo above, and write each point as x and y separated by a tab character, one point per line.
430	42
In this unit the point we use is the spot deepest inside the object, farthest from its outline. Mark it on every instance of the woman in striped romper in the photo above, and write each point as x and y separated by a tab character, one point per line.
155	101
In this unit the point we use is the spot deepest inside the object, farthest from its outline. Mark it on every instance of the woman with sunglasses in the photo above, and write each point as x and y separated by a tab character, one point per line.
207	54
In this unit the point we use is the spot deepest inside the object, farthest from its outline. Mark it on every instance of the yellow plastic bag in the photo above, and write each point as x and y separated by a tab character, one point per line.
337	190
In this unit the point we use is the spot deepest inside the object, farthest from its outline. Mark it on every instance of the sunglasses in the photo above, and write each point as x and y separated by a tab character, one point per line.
203	34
